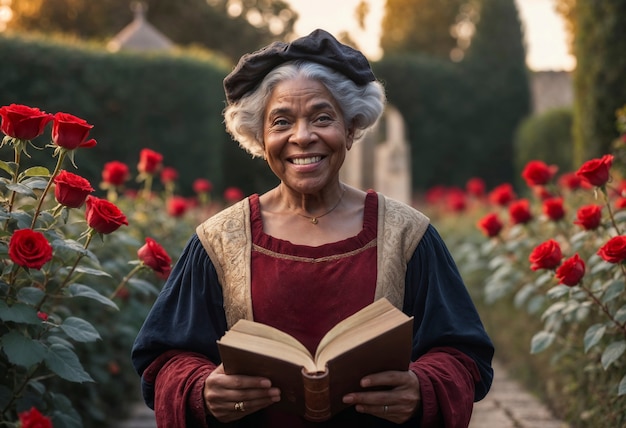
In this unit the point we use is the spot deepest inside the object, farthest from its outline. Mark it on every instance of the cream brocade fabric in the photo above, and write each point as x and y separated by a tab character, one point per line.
227	239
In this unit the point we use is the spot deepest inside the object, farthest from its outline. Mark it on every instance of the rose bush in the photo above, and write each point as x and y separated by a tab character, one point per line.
57	285
547	267
561	258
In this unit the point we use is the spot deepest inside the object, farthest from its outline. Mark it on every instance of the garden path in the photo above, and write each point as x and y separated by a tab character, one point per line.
507	405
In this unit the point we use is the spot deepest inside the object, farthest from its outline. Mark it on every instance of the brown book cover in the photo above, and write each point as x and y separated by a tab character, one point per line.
375	339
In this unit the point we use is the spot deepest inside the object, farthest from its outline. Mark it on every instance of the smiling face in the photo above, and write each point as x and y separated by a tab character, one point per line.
305	137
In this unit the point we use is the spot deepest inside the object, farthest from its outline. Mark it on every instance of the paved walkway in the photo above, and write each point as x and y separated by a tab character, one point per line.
506	406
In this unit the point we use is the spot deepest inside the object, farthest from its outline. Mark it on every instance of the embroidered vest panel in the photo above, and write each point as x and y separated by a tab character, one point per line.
227	239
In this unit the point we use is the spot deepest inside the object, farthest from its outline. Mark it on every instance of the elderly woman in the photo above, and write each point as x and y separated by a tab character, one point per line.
307	254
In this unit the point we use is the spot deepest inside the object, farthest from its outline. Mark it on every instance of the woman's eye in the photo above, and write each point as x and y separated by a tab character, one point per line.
280	122
323	118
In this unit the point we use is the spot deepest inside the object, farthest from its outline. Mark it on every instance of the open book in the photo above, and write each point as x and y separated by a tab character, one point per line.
377	338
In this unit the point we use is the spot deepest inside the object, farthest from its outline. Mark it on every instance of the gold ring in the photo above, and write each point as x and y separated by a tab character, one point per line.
240	407
385	408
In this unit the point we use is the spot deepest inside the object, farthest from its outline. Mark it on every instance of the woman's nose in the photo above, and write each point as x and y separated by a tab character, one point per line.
302	133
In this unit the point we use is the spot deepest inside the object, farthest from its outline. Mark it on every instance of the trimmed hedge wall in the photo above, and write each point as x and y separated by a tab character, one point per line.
548	137
134	101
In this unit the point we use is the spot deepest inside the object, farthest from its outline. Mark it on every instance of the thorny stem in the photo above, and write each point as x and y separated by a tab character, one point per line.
611	216
62	155
90	235
604	308
125	279
18	152
17	394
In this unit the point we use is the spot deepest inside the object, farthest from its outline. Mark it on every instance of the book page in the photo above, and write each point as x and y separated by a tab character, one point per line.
264	346
269	332
364	332
367	313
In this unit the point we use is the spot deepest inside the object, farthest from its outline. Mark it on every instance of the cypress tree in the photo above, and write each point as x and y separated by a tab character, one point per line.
496	65
599	82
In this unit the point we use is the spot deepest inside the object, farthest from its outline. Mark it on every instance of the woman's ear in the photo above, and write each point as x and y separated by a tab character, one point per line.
350	137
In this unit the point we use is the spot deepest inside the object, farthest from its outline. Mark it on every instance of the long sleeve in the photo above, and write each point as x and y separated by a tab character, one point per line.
187	316
451	350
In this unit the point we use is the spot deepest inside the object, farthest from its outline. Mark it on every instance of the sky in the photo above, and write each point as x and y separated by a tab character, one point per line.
544	31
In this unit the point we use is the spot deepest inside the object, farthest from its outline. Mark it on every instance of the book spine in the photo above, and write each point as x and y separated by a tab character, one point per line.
316	396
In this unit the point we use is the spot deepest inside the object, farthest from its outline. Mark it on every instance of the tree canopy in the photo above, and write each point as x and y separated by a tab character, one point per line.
230	27
420	26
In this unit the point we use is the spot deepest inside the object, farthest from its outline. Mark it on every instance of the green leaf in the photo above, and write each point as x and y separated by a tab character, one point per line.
30	295
23	219
35	171
558	291
613	291
535	304
64	362
553	309
523	294
621	389
144	286
21	189
81	290
9	167
612	353
620	315
35	183
19	312
544	279
541	341
79	330
21	350
91	271
593	335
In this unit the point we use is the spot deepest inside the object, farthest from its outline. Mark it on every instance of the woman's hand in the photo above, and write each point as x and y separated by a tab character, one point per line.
231	397
397	404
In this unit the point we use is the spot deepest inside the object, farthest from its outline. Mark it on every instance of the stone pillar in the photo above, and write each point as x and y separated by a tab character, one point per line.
381	160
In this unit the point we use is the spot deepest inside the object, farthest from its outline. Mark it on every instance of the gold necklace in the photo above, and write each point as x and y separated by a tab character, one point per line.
315	219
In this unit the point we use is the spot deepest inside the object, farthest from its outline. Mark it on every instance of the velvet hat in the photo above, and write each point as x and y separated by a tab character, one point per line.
319	46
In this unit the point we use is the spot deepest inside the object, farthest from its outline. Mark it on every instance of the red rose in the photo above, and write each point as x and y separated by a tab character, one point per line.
553	208
115	173
155	257
589	216
435	194
23	122
570	181
538	173
456	200
596	171
29	249
169	175
71	189
571	271
176	206
71	132
546	255
202	185
542	193
475	187
519	211
34	419
149	161
614	251
502	195
103	216
490	225
233	194
620	203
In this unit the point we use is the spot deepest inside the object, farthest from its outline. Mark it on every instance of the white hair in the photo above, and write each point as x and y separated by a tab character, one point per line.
361	106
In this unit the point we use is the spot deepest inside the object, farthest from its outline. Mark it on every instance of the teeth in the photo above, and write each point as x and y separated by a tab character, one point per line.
307	161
